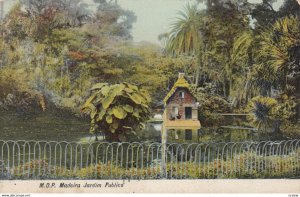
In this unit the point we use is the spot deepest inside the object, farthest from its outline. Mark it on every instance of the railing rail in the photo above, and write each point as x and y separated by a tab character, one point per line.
143	160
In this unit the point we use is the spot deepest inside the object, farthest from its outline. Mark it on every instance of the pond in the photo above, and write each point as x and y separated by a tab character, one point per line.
207	134
59	126
50	126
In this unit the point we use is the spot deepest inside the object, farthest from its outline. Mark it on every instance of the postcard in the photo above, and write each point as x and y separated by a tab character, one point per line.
149	96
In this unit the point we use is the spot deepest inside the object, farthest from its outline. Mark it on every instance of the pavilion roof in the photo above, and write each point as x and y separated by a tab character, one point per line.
180	83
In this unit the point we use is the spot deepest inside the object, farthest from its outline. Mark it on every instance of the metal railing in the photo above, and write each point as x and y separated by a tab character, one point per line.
103	160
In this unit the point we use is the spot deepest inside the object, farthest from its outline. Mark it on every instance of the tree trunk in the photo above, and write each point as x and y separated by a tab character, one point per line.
276	129
224	88
200	61
197	76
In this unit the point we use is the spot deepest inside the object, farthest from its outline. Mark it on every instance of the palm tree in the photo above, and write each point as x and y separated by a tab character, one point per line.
242	55
278	50
256	76
184	37
261	112
270	55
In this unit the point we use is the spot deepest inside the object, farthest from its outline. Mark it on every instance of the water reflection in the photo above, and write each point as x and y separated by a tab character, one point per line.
153	133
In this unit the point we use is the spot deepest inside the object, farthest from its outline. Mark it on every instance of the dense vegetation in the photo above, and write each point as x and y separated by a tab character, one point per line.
242	51
53	52
50	52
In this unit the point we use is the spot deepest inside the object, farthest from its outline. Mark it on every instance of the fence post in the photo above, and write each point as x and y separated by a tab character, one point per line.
163	152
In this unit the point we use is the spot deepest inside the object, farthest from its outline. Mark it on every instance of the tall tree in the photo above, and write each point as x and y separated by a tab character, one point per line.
61	44
279	51
184	36
272	55
289	7
209	35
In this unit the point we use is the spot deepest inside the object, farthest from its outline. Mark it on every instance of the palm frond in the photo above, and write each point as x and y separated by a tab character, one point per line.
184	35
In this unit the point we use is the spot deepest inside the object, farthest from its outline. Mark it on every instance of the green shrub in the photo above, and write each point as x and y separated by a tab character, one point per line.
210	106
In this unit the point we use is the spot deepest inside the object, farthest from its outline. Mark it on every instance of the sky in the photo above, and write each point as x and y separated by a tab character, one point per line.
153	16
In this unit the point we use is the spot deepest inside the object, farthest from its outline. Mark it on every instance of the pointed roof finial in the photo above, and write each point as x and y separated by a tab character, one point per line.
180	75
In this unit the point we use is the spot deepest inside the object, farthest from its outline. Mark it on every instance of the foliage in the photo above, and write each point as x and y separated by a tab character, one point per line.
267	112
278	52
52	41
261	109
292	131
265	14
114	19
184	37
223	24
209	36
62	61
285	111
210	106
242	60
289	7
15	94
143	64
270	58
117	110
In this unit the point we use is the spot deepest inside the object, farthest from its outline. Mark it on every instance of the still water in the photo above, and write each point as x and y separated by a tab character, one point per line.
203	135
57	126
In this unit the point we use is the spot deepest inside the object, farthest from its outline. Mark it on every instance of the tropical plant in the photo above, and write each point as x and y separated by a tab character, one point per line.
270	114
278	55
261	111
242	55
271	57
184	37
208	36
257	77
117	110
